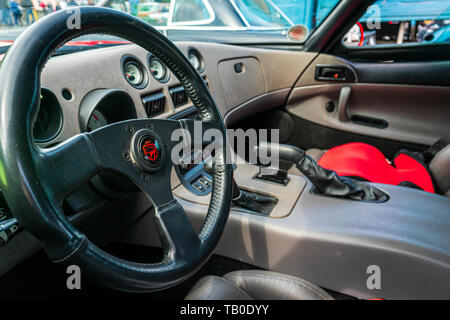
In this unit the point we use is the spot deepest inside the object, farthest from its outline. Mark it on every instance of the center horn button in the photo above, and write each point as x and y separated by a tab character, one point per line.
147	150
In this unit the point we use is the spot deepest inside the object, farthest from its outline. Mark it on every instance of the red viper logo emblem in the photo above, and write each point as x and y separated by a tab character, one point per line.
150	150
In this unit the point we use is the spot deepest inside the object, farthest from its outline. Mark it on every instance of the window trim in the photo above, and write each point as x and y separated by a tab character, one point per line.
336	24
391	53
212	16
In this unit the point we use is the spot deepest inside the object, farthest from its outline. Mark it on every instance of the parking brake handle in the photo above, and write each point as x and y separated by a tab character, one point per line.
326	182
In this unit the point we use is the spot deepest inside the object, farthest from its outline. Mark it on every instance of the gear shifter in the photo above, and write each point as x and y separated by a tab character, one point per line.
255	202
326	182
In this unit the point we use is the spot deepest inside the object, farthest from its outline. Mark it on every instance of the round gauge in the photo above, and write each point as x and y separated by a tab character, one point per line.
158	70
195	60
133	73
97	120
49	119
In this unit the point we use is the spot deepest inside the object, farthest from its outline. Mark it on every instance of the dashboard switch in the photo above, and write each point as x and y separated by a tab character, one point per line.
202	184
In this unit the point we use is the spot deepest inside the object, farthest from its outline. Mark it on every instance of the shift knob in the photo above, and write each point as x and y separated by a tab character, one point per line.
285	152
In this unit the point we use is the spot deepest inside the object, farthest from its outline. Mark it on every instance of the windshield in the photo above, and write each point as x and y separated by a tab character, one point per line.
239	21
262	13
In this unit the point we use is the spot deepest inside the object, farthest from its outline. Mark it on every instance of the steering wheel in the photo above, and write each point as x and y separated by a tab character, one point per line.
35	181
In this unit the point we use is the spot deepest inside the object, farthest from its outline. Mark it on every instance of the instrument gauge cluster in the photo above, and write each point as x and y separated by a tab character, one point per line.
96	120
134	72
196	59
105	106
158	70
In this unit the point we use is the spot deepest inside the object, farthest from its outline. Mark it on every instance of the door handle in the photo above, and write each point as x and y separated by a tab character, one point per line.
334	73
344	95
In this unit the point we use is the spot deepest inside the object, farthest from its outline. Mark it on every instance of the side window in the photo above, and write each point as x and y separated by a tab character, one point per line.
400	22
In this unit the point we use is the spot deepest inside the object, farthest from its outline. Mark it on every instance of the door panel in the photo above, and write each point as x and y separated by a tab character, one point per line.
418	113
417	73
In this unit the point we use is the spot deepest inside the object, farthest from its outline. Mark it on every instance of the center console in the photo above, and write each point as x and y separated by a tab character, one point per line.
331	241
244	175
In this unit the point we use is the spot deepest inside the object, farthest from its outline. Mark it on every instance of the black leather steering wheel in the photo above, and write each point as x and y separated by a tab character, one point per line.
35	181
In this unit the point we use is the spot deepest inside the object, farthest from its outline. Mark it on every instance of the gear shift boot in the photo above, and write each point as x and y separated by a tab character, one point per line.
326	182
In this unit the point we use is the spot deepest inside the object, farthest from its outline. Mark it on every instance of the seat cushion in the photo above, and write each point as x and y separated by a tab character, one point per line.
367	162
258	285
216	288
440	169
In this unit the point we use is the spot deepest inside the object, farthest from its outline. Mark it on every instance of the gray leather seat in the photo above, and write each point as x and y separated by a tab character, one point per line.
256	285
440	171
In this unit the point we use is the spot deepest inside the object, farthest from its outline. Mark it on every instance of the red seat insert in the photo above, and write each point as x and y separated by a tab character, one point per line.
365	161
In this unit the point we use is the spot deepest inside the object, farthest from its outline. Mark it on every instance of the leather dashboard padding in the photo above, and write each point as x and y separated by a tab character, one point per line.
30	198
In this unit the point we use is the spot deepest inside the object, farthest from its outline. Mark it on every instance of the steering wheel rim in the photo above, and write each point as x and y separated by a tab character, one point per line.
35	181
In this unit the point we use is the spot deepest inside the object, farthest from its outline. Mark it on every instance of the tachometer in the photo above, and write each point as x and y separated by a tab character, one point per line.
97	120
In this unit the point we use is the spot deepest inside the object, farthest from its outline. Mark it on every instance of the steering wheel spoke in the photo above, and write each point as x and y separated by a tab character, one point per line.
66	167
178	237
141	151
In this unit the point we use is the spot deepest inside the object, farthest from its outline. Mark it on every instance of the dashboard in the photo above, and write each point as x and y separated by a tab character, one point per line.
84	91
103	106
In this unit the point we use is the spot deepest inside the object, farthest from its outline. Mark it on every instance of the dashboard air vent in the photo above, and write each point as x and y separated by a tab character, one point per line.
154	104
179	96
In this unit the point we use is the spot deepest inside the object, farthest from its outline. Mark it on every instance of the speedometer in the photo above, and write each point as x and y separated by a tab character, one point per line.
97	120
